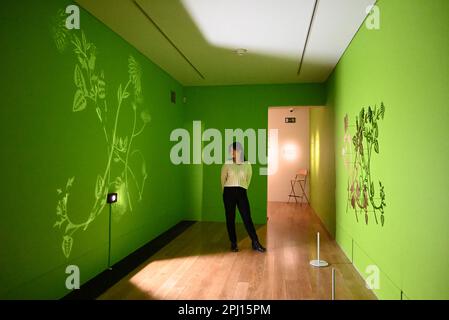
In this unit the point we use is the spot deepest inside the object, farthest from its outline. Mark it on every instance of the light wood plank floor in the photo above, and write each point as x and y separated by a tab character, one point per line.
198	264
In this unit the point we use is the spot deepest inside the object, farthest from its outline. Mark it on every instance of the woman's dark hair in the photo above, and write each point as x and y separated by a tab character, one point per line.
238	147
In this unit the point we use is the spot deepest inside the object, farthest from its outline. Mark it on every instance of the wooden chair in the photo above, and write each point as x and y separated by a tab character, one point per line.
301	179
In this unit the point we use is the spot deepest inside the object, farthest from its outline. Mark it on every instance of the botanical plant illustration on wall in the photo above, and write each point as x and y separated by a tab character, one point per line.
358	152
91	92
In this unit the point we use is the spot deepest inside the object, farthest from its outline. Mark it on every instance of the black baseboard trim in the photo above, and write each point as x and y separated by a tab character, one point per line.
93	288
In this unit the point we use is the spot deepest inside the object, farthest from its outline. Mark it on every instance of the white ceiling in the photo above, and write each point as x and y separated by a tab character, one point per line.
194	40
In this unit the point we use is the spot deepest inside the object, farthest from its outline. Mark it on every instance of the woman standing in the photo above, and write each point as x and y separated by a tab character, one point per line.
235	180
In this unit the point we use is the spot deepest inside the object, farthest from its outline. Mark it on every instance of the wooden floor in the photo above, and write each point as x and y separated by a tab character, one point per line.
198	264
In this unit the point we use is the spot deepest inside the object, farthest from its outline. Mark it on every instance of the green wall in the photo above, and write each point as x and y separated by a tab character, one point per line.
322	165
404	65
232	107
45	143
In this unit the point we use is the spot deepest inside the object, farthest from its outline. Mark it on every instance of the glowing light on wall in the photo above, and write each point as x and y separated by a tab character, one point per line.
290	152
315	152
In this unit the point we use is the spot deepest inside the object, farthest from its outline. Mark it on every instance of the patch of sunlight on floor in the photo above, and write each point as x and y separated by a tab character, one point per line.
159	278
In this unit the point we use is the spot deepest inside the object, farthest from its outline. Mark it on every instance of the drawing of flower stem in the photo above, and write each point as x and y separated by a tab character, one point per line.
361	189
91	90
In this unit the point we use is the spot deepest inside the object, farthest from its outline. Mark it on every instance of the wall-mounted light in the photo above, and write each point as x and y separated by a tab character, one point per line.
111	198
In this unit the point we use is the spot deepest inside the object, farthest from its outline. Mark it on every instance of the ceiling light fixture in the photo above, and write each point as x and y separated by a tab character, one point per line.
240	51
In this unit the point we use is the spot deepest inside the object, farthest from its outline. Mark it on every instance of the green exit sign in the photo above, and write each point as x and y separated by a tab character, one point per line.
290	120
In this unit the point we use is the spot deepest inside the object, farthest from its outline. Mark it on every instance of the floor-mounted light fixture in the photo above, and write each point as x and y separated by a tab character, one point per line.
110	199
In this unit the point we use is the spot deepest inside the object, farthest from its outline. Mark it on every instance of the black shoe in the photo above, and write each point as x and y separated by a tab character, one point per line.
258	247
234	247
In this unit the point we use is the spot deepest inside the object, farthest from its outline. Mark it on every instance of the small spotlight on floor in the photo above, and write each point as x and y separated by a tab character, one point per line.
111	198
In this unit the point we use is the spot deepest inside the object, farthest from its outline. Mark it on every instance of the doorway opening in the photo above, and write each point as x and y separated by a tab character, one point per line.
288	154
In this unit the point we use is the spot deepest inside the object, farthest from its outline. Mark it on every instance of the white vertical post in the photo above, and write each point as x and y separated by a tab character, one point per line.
333	284
318	263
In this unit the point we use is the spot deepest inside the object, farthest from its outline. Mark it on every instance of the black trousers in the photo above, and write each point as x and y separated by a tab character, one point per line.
232	197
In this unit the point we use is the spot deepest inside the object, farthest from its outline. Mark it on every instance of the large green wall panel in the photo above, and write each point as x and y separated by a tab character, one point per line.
403	64
45	143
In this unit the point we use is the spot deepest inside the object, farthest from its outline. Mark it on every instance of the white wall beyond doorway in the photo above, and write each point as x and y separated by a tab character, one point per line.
293	152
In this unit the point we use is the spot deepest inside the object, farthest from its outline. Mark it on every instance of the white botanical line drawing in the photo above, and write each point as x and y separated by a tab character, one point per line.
91	92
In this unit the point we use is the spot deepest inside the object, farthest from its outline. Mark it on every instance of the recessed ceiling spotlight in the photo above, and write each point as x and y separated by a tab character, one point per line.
240	51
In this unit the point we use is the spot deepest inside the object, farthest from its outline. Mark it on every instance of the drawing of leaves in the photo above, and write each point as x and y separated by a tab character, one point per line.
93	87
353	202
362	115
119	144
91	62
118	182
93	92
125	95
67	243
370	114
82	62
101	85
60	32
365	198
79	101
64	202
145	116
134	71
84	41
122	144
70	182
382	110
78	77
357	189
99	187
362	191
59	209
77	43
